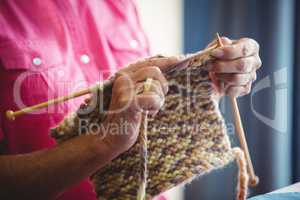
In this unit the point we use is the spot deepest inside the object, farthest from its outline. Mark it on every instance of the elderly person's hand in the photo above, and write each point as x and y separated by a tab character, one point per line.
234	68
129	100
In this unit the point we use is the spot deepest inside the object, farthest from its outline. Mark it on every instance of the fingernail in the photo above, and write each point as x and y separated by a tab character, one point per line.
217	53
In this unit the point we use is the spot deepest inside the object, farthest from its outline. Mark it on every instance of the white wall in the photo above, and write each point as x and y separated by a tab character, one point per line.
162	20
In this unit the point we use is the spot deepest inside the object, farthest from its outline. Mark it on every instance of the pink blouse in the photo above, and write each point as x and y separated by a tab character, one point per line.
50	48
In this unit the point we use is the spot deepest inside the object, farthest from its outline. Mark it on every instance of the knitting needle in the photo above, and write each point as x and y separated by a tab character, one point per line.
186	61
11	115
241	134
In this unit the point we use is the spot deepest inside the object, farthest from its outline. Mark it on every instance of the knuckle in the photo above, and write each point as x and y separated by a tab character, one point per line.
156	70
243	65
229	51
159	75
255	43
235	78
245	50
153	70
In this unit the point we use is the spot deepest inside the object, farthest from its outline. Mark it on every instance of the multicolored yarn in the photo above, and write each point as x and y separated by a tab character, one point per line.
144	159
186	139
144	149
243	178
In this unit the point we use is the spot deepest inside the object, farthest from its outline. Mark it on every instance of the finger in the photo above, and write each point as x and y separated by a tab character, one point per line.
241	48
258	62
126	99
235	79
151	72
236	91
124	87
242	65
224	40
123	82
253	76
149	101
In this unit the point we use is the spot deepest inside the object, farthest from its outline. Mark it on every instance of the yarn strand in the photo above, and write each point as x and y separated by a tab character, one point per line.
144	149
144	158
243	177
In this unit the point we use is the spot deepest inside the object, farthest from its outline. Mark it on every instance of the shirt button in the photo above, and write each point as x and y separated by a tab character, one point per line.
37	61
61	73
85	59
133	44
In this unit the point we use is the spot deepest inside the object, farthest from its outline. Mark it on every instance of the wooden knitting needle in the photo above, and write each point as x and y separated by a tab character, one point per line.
11	115
241	134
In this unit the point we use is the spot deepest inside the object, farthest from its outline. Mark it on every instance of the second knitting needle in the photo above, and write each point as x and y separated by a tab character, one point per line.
241	134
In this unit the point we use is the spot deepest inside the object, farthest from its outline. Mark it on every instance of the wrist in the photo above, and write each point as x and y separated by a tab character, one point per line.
99	152
103	149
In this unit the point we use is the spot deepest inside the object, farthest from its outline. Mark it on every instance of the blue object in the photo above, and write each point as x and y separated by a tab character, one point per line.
278	196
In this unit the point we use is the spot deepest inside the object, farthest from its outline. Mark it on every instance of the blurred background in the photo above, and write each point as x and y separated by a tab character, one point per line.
271	112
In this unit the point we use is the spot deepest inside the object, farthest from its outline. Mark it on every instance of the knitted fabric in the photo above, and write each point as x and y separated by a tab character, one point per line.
186	138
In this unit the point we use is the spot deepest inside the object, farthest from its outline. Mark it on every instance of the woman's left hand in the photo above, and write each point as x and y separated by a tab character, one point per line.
235	65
